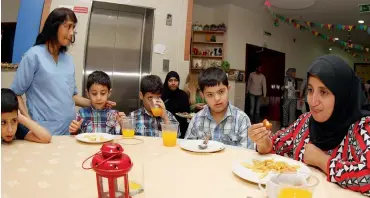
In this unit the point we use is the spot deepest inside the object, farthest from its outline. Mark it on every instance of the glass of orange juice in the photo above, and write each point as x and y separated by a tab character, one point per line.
128	128
156	110
169	133
292	185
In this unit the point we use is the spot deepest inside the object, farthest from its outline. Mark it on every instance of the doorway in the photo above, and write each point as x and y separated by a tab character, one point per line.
272	65
120	44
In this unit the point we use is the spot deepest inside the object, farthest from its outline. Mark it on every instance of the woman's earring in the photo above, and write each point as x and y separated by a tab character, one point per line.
73	39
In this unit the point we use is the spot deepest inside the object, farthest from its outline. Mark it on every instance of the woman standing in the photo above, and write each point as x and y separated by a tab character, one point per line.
334	136
192	89
46	74
289	97
176	100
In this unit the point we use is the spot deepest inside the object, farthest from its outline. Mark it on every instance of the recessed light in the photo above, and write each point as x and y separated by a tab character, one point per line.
330	49
336	39
361	21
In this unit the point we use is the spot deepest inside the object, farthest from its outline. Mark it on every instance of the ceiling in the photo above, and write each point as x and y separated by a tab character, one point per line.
344	12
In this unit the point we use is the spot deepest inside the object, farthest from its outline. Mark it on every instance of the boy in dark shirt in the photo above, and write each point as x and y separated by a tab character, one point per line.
15	125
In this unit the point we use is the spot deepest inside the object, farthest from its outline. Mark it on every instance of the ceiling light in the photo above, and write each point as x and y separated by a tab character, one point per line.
361	21
336	39
330	49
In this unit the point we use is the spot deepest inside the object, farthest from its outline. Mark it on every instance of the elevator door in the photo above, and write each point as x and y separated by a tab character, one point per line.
114	46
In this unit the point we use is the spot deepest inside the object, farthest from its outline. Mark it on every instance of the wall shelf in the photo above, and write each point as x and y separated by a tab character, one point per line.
210	57
208	32
206	43
201	42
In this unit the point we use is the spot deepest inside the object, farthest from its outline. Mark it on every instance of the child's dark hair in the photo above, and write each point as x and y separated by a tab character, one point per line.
151	83
211	77
9	101
98	77
49	32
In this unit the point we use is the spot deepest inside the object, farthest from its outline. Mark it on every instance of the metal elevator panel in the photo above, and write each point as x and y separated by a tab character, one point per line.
120	44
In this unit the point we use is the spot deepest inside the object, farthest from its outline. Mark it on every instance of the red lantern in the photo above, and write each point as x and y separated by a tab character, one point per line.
111	163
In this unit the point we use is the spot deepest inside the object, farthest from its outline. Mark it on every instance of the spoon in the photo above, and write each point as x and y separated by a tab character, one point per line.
204	145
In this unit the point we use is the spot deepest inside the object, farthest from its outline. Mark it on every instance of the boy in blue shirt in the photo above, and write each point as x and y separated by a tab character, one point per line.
97	118
16	126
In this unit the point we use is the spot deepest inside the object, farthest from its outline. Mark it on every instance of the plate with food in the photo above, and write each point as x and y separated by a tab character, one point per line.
260	169
185	115
94	137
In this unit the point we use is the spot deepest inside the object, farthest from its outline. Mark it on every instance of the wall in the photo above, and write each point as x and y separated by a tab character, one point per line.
172	36
7	78
346	56
28	27
245	26
9	10
203	15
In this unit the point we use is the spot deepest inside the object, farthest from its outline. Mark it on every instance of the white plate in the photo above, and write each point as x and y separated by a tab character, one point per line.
188	116
83	137
254	177
192	145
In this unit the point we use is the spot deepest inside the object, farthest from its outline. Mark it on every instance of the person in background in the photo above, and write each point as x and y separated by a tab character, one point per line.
196	99
367	89
289	97
363	85
176	100
148	122
256	87
97	118
46	74
15	125
303	95
219	119
334	135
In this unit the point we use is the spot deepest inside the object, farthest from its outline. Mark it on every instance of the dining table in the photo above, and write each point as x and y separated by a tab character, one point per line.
55	170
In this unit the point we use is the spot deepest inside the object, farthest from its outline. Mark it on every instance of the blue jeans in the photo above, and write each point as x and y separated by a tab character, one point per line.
254	107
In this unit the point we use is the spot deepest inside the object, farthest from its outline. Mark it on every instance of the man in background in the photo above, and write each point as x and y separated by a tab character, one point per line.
303	95
256	87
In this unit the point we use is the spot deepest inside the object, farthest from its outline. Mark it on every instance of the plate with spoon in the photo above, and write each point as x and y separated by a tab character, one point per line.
202	146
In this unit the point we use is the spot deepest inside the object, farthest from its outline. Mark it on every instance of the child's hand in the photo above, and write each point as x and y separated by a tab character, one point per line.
121	116
74	126
21	118
159	103
110	104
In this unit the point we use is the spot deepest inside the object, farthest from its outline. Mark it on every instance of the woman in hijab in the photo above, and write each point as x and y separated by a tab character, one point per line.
335	135
175	99
289	97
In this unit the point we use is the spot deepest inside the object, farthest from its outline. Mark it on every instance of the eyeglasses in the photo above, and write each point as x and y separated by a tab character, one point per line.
70	27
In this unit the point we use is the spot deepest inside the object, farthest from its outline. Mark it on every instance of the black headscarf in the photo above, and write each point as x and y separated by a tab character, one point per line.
167	92
176	101
340	79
